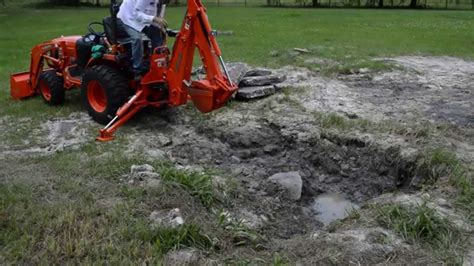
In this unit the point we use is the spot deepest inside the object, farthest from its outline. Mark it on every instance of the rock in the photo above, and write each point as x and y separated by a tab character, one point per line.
251	220
155	154
190	168
164	140
271	148
167	218
218	181
364	70
235	159
153	183
198	70
258	72
261	80
141	168
289	181
181	257
280	86
237	171
301	50
228	32
237	71
248	93
143	175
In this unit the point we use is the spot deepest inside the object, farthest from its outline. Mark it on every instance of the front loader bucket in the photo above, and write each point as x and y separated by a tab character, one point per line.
20	85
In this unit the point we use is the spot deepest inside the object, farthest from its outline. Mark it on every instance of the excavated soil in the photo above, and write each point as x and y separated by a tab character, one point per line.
251	141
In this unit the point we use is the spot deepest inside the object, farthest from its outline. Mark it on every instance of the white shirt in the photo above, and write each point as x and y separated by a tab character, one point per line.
138	14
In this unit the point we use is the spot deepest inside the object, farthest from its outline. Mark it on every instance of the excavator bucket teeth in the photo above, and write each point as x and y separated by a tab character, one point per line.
20	86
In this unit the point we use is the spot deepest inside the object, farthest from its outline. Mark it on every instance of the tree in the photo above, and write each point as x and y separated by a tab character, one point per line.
380	3
413	3
315	3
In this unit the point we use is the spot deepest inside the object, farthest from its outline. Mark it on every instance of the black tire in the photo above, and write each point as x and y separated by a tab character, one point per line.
114	91
51	87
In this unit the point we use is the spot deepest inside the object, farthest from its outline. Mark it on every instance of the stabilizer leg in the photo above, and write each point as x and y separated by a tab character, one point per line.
127	111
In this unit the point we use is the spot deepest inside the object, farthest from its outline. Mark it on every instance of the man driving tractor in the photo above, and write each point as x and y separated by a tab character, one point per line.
143	16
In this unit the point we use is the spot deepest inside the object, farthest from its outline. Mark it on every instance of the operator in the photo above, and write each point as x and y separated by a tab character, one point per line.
142	16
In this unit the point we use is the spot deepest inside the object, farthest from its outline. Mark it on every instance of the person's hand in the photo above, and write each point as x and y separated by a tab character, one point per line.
160	22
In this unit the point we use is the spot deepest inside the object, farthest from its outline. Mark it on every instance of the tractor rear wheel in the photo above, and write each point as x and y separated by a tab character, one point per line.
104	90
51	87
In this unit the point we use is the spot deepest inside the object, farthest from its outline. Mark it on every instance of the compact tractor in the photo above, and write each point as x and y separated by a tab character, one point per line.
100	64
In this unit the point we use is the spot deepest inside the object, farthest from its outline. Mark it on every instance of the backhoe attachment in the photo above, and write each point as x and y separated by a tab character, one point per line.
168	81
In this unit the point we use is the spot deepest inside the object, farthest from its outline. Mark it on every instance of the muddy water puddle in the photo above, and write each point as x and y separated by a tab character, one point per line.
332	206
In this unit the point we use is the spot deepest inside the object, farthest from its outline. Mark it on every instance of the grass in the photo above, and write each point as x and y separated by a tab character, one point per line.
422	224
83	231
439	163
83	213
198	184
349	124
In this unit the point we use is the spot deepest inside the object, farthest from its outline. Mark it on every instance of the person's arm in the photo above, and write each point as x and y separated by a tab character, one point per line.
139	12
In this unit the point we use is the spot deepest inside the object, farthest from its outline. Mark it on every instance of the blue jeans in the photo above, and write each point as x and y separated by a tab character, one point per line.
156	38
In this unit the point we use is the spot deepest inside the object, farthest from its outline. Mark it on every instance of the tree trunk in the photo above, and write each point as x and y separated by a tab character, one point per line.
315	3
380	3
413	3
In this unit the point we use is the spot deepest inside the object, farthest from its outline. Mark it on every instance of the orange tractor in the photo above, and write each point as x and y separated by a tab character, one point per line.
108	89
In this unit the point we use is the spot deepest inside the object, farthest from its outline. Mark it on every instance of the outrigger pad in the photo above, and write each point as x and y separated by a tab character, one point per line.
20	86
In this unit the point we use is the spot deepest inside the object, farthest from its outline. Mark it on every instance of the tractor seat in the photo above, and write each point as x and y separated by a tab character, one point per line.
121	34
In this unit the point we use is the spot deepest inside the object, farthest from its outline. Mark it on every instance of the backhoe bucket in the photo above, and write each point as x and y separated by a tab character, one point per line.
202	99
20	85
205	98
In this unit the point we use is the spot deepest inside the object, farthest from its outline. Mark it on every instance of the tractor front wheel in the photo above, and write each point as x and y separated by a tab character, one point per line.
51	87
104	90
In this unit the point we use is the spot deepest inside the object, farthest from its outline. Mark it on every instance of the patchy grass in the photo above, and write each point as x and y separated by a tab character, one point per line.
198	184
345	124
439	163
82	231
421	224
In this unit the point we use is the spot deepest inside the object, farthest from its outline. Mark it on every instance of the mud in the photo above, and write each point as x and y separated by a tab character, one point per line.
330	207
